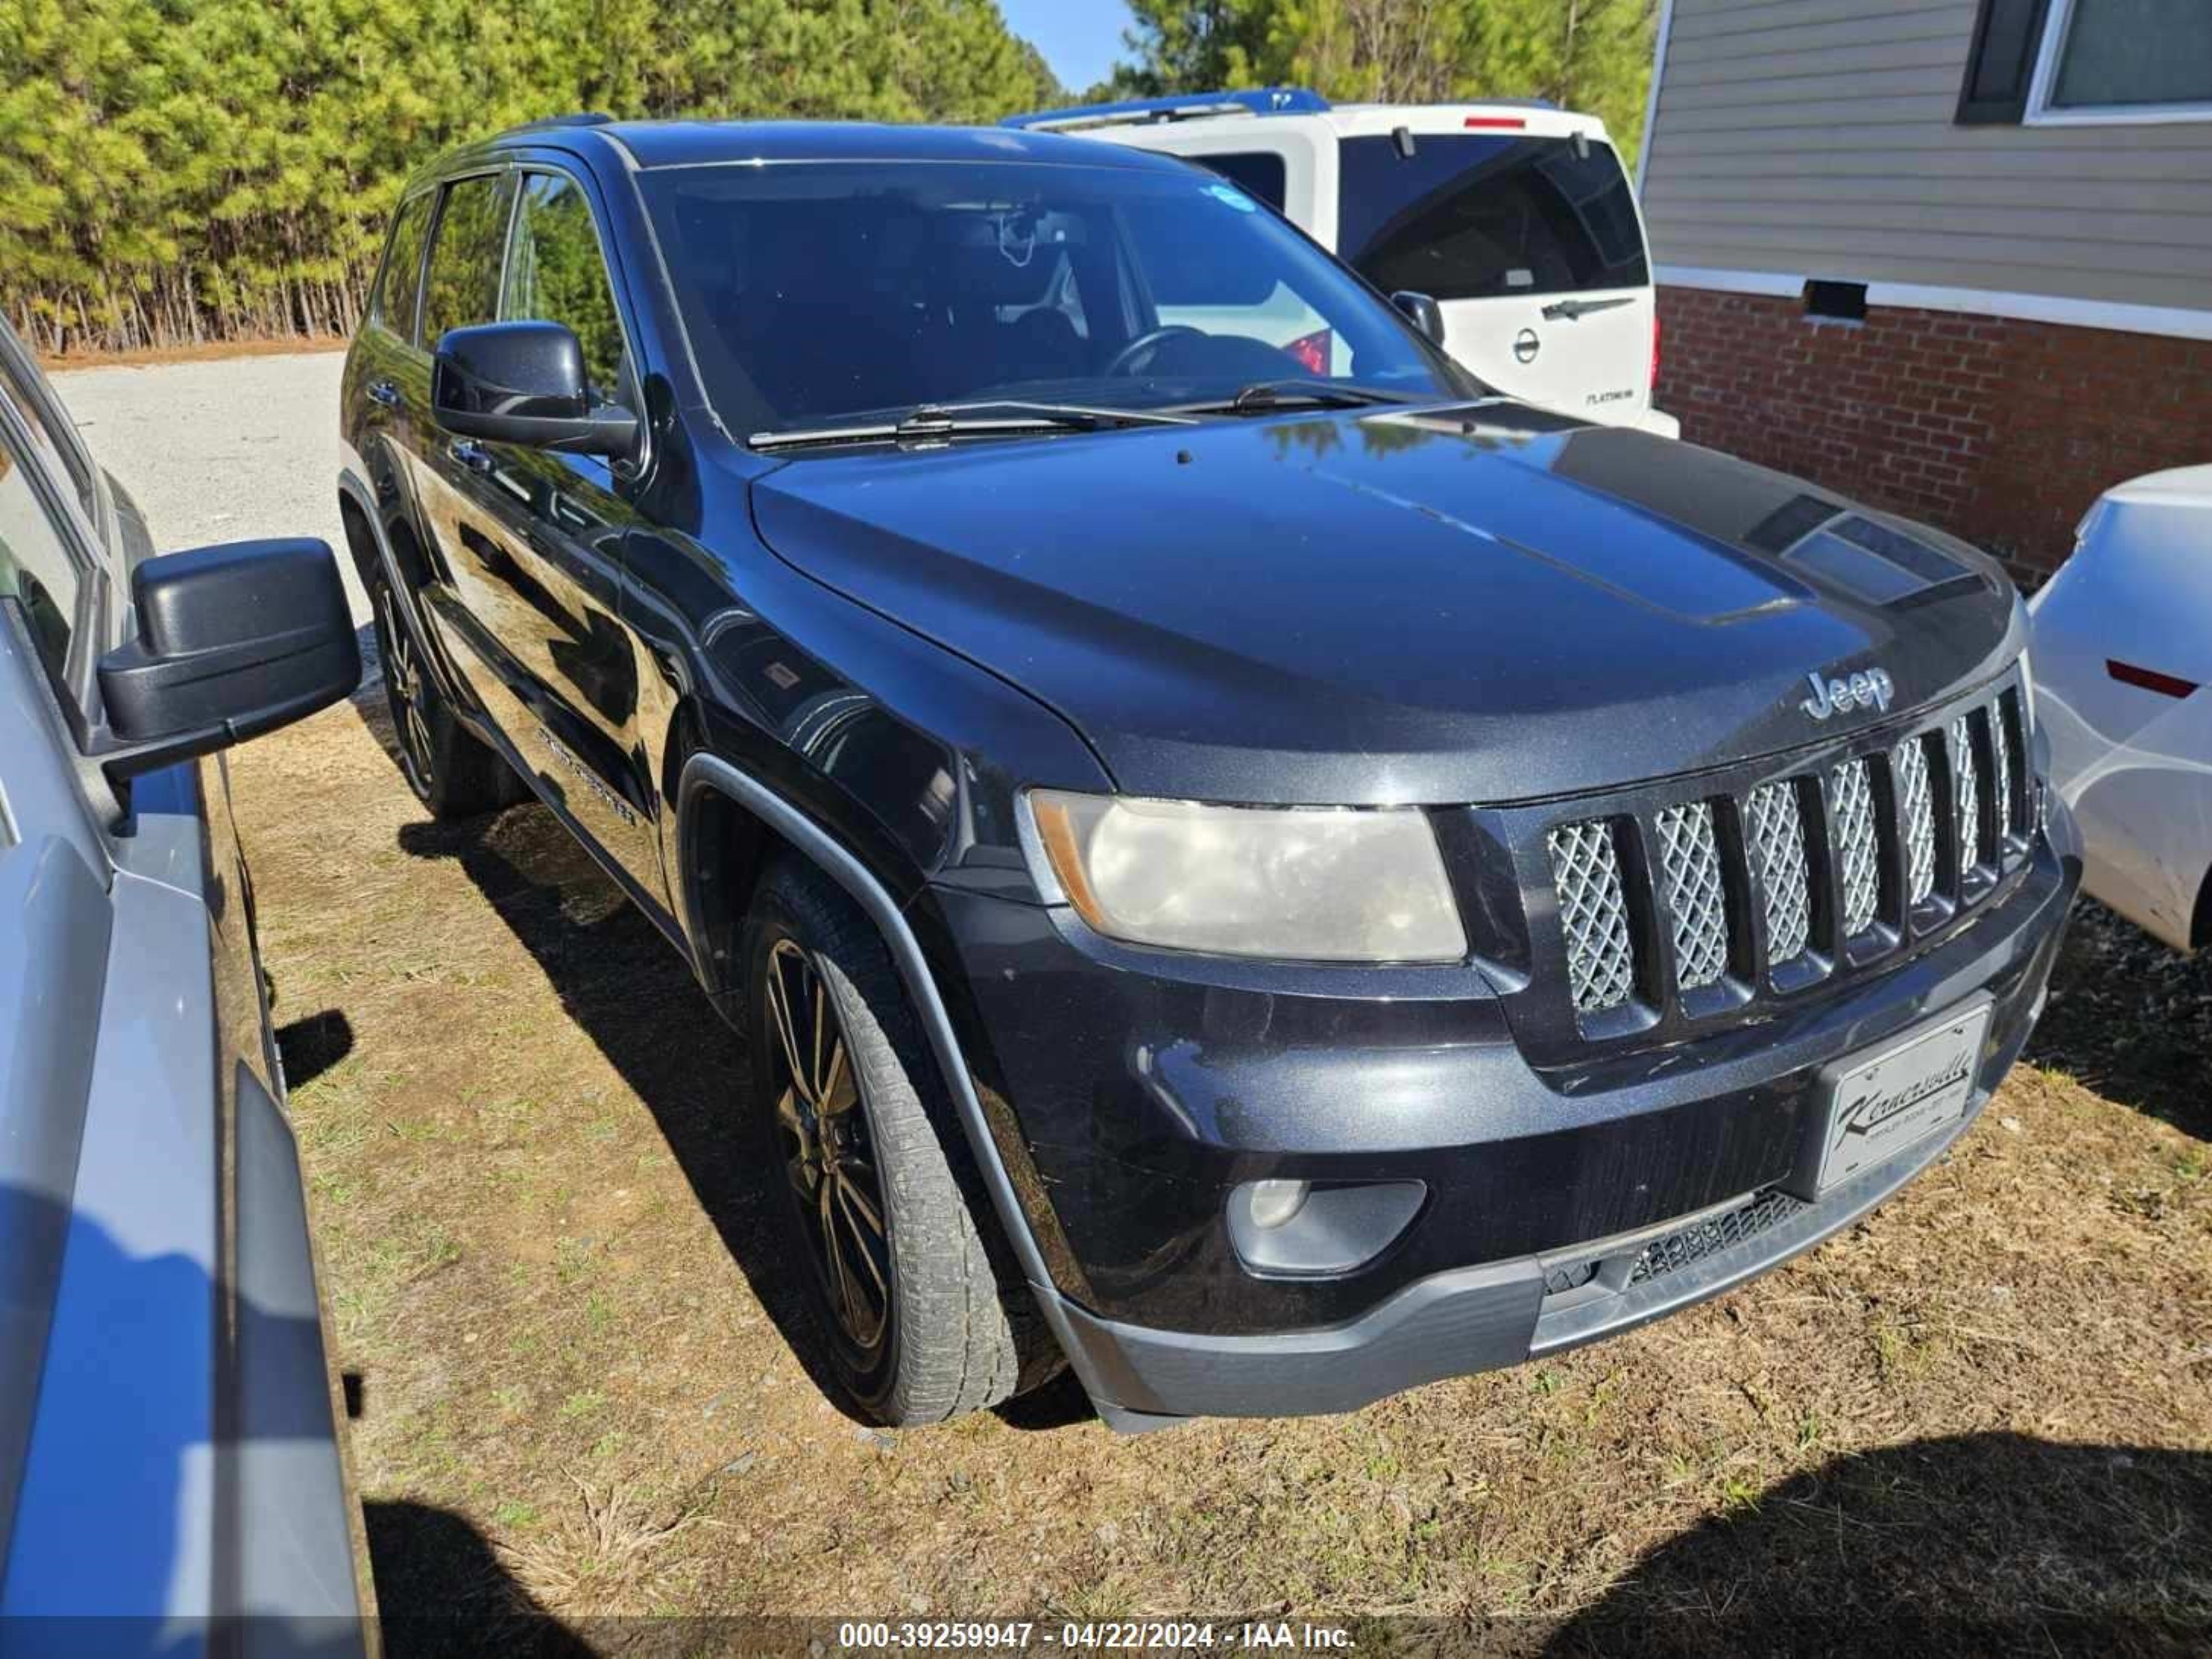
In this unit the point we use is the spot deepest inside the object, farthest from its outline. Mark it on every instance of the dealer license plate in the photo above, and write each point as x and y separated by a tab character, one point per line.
1882	1106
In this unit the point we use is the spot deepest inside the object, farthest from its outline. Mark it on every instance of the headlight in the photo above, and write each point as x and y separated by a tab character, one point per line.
1309	884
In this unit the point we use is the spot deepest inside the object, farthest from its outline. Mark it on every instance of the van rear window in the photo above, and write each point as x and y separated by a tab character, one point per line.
1480	216
1258	174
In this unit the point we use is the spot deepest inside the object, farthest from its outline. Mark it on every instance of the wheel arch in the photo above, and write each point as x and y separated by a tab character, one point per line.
722	846
361	540
714	797
369	543
729	824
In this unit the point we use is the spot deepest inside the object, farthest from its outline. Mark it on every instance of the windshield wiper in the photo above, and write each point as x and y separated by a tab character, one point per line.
1263	395
990	417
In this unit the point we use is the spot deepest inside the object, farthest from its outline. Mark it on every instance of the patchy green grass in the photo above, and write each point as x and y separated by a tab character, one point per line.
548	1259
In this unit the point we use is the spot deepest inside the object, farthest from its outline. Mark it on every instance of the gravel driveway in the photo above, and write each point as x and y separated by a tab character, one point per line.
223	449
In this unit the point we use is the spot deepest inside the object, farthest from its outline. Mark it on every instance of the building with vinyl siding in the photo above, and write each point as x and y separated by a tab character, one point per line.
1952	256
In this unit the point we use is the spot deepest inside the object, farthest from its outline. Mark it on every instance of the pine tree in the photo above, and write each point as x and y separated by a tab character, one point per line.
179	170
1593	55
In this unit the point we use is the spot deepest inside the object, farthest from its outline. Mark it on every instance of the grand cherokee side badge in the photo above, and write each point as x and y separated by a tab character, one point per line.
1869	689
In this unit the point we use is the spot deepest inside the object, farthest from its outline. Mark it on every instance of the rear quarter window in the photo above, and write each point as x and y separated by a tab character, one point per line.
399	282
1477	216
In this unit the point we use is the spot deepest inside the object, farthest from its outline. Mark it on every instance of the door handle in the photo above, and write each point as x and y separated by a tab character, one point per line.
470	455
384	392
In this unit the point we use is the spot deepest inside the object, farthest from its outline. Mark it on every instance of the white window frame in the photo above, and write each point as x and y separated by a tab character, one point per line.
2041	113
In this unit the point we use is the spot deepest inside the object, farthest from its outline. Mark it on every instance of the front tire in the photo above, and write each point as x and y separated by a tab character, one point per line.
452	771
919	1327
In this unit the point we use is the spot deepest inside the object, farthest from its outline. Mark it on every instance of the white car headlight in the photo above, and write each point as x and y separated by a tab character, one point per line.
1301	884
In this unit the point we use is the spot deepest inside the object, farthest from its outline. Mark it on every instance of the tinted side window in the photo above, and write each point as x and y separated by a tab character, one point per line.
555	272
35	567
399	286
1475	217
462	288
1260	174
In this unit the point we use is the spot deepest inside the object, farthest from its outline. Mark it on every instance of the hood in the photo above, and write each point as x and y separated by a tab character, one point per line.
1495	605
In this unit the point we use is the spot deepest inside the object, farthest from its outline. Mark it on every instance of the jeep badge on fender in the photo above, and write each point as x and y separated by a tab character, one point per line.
1869	690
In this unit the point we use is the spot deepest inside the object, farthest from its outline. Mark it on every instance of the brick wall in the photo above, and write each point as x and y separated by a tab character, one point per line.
2000	431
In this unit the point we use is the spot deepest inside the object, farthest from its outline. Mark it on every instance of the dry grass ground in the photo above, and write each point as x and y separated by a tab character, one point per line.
579	1391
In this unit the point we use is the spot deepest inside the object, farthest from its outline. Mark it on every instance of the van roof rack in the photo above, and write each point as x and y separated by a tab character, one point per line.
1181	106
589	117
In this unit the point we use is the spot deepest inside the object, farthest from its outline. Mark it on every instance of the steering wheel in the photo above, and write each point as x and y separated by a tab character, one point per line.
1125	360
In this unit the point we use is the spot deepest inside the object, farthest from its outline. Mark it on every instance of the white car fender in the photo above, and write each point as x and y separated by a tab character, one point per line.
2122	658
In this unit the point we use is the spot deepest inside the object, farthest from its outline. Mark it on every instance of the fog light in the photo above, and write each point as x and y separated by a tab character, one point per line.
1274	1202
1292	1229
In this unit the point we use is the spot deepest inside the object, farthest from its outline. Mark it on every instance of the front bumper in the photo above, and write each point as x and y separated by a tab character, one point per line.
1141	1101
1452	1323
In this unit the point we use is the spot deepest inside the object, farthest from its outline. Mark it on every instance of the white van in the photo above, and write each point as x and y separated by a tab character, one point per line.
1516	217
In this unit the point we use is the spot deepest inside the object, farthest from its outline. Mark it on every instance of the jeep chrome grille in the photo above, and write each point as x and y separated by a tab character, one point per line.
1965	794
1778	856
2000	751
1838	866
1593	915
1852	819
1918	812
1697	905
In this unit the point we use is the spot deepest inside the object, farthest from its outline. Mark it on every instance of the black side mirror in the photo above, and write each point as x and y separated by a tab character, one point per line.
523	383
1423	311
233	641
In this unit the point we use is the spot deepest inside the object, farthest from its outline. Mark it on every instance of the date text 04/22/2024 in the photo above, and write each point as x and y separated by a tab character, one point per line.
1088	1634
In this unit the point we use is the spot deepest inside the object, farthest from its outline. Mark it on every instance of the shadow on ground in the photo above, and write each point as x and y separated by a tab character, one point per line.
1986	1543
627	990
460	1600
313	1045
2131	1019
1059	1404
625	987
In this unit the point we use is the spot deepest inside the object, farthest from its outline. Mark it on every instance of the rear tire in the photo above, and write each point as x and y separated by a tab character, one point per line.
921	1325
452	771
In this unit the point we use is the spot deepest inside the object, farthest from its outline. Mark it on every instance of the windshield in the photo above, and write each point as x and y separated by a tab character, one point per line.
814	293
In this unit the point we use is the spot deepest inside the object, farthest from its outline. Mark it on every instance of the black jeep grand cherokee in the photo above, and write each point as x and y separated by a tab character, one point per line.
1252	864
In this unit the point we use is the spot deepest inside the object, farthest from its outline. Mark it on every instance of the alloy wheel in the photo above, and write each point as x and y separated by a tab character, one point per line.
406	691
822	1124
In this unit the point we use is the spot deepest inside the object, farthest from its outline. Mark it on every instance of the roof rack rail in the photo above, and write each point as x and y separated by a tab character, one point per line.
1181	106
589	118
